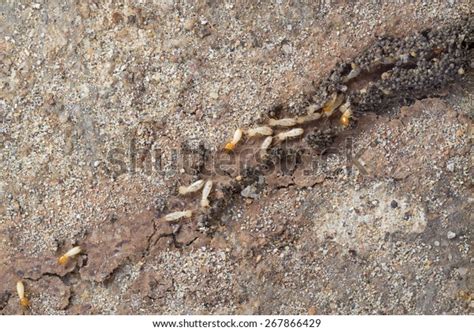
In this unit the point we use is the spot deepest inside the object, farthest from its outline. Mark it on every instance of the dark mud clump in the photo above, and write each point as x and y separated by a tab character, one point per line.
399	71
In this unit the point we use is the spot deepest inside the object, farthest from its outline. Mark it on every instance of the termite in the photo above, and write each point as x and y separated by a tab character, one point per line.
265	144
194	187
70	253
20	289
229	147
282	122
335	101
389	60
205	194
260	131
346	114
290	134
353	74
308	118
178	215
311	109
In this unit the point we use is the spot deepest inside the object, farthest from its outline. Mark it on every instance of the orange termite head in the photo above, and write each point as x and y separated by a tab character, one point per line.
334	102
24	302
63	260
229	147
345	118
344	121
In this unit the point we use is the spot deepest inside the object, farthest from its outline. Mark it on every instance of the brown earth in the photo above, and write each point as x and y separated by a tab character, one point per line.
390	234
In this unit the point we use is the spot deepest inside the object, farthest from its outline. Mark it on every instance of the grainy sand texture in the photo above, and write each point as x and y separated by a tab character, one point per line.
100	100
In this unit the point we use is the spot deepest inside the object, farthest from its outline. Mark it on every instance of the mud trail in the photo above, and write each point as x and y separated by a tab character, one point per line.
415	67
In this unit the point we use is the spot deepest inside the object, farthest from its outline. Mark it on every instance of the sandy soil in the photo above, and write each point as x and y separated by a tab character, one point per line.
87	86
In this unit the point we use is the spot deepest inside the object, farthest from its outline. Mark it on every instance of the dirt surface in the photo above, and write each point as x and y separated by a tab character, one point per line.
375	218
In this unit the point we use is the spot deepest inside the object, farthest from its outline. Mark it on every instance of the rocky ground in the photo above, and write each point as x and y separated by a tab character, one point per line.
87	87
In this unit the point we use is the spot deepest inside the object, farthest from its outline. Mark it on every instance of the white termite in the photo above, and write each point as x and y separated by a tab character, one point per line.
287	122
308	118
205	194
178	215
194	187
290	134
260	131
265	145
230	146
20	290
70	253
311	109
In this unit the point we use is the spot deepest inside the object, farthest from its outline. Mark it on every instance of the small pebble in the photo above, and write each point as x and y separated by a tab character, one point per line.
436	243
287	49
394	204
312	311
450	166
249	192
189	24
451	235
214	95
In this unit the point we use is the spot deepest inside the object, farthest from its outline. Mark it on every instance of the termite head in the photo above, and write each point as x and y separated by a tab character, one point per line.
24	302
335	101
63	260
345	118
229	147
344	121
311	109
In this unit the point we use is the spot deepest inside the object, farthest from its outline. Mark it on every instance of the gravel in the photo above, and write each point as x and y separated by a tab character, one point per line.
94	95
